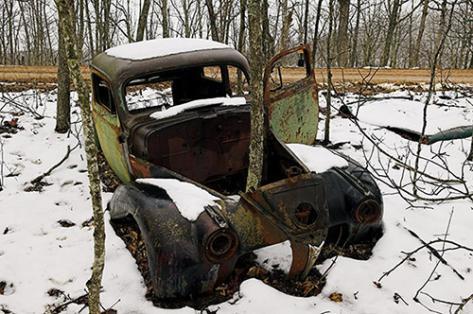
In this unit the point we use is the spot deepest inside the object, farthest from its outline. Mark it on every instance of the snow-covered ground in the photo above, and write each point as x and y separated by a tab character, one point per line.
37	253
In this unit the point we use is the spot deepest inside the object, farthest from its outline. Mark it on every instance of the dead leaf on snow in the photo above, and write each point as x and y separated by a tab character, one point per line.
336	297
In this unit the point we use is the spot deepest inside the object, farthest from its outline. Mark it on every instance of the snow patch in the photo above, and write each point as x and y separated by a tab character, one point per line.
224	101
278	256
317	158
162	47
190	200
407	114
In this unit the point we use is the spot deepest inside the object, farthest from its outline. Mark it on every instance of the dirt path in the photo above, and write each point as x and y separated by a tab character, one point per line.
47	74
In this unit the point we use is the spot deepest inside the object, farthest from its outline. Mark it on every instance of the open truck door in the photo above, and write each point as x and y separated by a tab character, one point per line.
291	101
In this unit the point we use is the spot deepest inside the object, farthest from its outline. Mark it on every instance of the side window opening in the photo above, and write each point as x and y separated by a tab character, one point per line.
239	84
103	94
285	72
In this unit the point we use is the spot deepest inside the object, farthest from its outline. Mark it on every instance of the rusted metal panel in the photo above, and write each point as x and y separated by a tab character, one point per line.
293	110
107	127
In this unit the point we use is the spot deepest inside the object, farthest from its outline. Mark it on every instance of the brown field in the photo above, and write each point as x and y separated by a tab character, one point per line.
47	74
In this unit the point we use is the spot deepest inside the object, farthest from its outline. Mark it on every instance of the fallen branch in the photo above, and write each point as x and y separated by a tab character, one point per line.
39	178
462	305
435	253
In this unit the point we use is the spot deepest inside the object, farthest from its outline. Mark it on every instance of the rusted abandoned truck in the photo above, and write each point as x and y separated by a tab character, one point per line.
173	120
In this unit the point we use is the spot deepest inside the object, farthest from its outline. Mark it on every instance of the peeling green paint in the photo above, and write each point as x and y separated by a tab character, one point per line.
107	127
294	118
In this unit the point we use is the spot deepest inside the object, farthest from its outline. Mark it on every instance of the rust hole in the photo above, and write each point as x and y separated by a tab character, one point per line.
306	214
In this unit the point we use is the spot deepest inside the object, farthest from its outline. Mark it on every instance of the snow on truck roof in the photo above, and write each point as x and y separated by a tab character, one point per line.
162	47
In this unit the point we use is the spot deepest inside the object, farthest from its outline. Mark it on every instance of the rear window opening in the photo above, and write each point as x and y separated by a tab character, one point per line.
159	92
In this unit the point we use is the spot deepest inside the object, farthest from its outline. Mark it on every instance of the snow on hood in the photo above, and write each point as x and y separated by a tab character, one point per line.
224	101
190	200
162	47
317	158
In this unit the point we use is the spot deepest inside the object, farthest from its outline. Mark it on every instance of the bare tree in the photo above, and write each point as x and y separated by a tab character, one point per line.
255	169
356	31
213	20
66	19
343	43
414	60
393	20
143	20
63	107
315	42
329	74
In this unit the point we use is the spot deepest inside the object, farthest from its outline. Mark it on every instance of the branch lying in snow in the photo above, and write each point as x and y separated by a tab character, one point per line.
409	254
12	102
56	309
462	305
435	253
47	173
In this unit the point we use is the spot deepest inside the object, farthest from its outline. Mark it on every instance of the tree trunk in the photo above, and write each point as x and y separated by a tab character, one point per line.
165	13
89	30
306	21
344	15
286	25
329	74
140	32
316	33
268	41
354	51
255	168
390	32
66	17
415	55
241	42
63	119
213	20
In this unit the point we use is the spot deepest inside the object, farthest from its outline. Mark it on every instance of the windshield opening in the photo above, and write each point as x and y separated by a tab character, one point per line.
165	90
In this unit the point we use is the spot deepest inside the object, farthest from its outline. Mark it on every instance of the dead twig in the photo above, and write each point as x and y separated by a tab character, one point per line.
462	305
435	253
39	178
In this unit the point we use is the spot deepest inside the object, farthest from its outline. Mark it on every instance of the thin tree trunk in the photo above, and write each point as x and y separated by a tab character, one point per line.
354	50
89	31
439	46
286	25
329	75
268	42
316	32
306	21
213	20
344	15
255	168
165	13
63	120
66	17
81	29
241	42
415	56
143	20
106	42
390	32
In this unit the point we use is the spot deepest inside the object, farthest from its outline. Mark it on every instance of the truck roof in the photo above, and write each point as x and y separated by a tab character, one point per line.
128	61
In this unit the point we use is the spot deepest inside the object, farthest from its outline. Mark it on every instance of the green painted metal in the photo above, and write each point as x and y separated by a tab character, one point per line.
294	118
107	127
